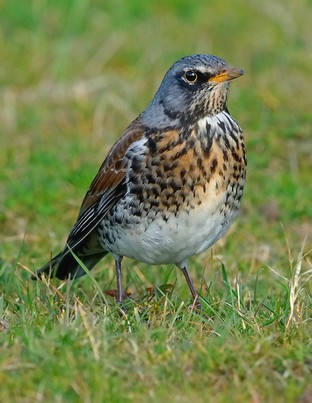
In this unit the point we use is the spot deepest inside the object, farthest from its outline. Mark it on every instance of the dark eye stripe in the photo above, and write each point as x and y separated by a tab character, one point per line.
195	76
203	77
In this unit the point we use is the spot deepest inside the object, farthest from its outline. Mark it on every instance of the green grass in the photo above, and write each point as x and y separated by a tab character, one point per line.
73	75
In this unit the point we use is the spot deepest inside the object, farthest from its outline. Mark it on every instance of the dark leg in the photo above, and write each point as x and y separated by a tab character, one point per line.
196	303
119	279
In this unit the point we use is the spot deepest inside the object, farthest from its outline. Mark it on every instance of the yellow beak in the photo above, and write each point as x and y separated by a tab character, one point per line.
227	74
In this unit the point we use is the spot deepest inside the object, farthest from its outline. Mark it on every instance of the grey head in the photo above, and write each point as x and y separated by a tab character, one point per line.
194	87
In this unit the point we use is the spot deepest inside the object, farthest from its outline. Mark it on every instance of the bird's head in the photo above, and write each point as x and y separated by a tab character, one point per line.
194	87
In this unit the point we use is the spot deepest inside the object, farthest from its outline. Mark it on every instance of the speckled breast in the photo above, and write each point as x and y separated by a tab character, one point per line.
183	192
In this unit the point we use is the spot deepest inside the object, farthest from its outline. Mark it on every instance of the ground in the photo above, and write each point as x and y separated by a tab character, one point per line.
73	76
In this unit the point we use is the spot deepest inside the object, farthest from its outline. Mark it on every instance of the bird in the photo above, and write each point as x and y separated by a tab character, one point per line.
170	186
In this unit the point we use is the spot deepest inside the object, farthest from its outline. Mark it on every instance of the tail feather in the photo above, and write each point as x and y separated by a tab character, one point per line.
65	265
48	269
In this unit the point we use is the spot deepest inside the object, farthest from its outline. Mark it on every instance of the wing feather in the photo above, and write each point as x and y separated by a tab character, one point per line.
108	186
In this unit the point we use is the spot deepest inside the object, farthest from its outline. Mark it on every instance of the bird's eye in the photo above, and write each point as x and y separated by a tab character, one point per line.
190	76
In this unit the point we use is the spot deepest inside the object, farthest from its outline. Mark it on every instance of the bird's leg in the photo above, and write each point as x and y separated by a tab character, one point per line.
120	294
119	279
196	302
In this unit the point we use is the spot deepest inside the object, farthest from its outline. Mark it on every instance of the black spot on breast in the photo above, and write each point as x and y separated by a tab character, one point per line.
191	142
213	165
155	191
137	213
225	156
226	142
221	125
150	178
136	165
109	237
165	203
133	179
152	145
234	137
192	186
165	218
163	185
138	193
175	186
208	127
159	173
200	164
235	156
180	153
167	166
118	219
154	162
154	203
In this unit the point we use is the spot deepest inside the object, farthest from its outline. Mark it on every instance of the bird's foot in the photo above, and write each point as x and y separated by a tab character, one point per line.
196	306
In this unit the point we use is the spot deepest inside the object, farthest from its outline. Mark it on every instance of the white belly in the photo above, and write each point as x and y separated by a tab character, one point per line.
175	240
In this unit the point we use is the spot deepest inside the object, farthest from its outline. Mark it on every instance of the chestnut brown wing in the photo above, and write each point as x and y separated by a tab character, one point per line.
108	186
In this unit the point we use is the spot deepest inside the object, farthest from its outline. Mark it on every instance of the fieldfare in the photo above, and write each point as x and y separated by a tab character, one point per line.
171	185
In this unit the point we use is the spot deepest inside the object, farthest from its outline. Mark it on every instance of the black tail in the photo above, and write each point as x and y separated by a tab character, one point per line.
65	265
